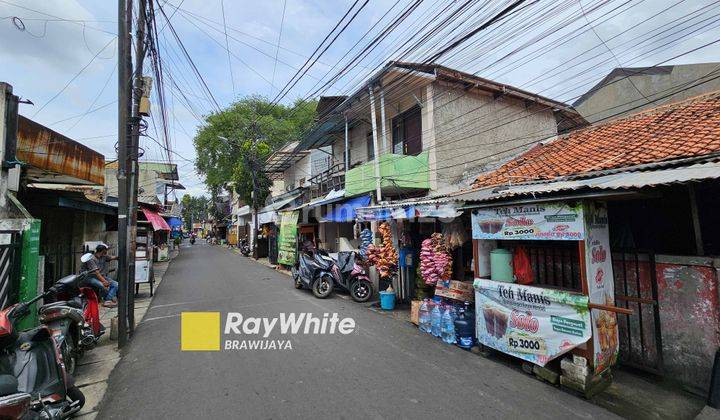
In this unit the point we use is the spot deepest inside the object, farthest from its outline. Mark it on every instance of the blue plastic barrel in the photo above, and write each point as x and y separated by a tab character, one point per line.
387	300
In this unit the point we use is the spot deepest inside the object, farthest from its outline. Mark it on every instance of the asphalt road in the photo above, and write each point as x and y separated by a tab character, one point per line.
384	369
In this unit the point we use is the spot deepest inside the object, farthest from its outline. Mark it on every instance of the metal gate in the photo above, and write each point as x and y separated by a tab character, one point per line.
10	254
636	288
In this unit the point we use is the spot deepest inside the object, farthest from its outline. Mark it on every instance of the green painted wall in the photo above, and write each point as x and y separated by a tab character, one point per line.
396	172
29	271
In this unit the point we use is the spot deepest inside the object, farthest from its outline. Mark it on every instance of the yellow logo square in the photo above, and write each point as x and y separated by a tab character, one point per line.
200	331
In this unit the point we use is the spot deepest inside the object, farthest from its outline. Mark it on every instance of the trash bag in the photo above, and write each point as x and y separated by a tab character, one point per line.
522	266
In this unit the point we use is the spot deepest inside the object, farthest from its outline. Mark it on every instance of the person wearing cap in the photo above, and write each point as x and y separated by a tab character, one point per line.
97	267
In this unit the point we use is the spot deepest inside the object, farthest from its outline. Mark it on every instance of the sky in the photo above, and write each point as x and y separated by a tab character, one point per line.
62	54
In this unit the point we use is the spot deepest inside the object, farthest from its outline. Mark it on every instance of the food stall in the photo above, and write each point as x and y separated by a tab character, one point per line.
544	287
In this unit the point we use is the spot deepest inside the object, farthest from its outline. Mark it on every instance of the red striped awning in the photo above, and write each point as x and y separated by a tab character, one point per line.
157	221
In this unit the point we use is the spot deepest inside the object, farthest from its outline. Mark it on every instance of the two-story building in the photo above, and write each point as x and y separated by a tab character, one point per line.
416	130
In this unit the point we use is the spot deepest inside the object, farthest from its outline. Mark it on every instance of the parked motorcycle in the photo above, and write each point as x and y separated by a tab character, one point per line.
192	240
74	319
352	276
314	270
244	246
32	358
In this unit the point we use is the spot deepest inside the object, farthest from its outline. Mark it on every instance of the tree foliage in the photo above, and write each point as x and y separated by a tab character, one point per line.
195	209
255	128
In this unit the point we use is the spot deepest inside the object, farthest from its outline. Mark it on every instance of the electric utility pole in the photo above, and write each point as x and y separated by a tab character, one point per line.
133	155
124	97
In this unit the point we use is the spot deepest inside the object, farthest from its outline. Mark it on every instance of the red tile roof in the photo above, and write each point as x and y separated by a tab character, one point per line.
684	129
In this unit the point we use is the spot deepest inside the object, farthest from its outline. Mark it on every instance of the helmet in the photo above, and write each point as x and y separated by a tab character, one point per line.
86	257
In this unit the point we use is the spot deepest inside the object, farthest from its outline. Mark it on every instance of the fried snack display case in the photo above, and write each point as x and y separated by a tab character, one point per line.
567	304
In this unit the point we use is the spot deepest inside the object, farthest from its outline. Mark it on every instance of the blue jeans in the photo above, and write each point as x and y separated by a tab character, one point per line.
106	294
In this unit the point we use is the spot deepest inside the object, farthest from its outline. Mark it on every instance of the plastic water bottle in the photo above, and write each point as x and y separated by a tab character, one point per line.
448	326
465	327
424	316
436	320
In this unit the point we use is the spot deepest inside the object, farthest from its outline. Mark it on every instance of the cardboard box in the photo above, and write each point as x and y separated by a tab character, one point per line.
455	289
415	312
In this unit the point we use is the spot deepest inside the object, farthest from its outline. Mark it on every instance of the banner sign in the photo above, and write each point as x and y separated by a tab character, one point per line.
443	211
532	323
601	287
287	240
543	221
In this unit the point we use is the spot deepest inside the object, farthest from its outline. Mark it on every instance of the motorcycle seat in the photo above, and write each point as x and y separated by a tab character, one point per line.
73	303
8	385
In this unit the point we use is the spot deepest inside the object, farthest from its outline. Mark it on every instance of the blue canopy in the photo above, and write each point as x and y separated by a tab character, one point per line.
174	222
345	211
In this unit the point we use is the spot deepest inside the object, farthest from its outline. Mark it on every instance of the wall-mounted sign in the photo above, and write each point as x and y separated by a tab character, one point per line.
542	221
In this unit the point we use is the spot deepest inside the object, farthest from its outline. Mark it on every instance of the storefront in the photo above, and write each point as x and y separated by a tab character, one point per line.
421	231
544	285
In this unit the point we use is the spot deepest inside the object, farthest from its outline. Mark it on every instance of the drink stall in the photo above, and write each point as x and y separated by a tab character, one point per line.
544	287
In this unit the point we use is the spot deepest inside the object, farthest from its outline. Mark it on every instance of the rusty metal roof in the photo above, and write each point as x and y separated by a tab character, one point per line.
55	158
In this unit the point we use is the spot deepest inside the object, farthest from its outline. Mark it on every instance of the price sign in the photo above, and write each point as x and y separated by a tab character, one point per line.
526	344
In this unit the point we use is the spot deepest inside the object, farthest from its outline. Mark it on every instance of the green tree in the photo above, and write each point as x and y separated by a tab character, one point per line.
195	209
255	128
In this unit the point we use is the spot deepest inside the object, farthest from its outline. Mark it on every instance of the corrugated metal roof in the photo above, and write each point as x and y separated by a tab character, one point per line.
278	204
438	199
53	154
616	181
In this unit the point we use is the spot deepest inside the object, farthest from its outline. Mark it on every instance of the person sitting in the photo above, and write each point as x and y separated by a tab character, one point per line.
96	265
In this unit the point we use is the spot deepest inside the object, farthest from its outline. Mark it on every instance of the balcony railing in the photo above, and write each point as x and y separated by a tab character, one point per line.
397	173
331	179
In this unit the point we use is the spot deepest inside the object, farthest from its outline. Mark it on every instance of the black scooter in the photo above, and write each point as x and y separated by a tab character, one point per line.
315	270
244	247
32	358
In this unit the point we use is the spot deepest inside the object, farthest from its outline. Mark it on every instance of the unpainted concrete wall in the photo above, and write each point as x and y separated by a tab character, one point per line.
620	95
476	132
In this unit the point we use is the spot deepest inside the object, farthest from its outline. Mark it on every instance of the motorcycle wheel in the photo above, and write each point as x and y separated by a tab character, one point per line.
67	350
296	278
361	291
322	287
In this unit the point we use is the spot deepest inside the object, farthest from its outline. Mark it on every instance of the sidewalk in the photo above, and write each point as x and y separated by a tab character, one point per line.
96	365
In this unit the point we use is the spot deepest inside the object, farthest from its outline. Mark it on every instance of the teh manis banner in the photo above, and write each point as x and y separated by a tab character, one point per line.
531	323
287	241
542	221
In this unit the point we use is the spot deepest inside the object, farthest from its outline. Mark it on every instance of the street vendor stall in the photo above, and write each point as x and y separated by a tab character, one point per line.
411	226
544	286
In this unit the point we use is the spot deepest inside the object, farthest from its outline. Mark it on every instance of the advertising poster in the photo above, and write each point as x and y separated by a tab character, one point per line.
531	323
600	285
287	241
543	221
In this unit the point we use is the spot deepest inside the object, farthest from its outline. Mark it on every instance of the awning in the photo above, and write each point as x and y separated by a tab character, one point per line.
268	214
244	211
346	211
409	211
175	222
331	197
157	221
